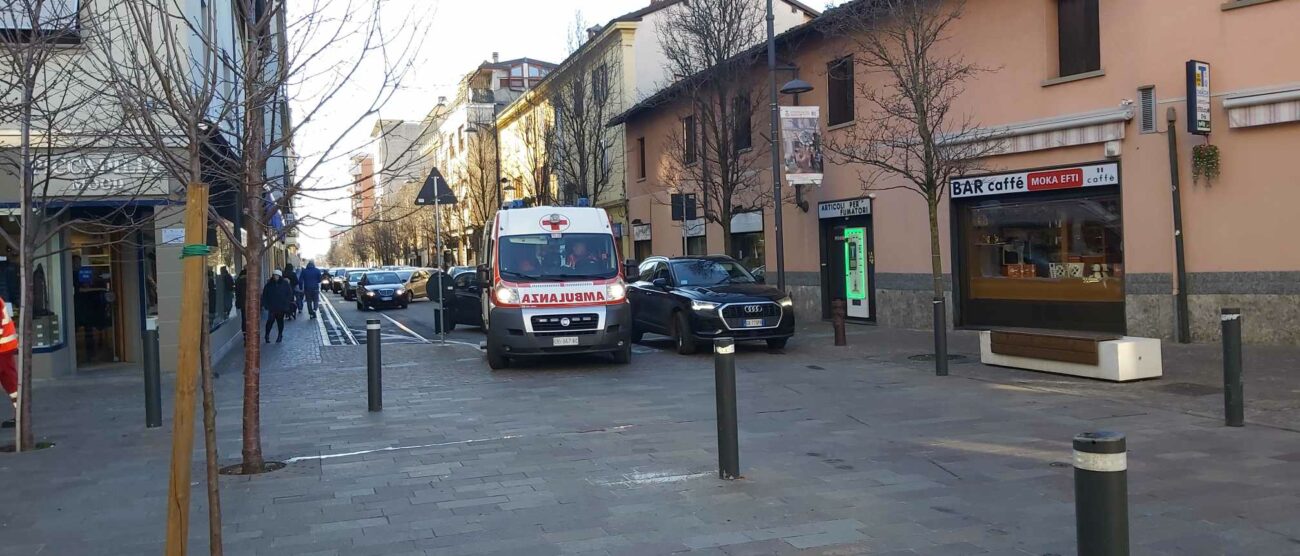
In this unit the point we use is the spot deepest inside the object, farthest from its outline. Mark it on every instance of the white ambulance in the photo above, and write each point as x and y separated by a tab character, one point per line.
553	285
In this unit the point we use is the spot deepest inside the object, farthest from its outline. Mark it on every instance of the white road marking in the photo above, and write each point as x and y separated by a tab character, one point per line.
404	328
395	448
320	320
343	325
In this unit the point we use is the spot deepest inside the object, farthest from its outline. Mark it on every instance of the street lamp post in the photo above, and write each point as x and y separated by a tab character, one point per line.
793	87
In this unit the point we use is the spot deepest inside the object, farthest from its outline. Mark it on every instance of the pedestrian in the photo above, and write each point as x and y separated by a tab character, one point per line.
277	299
227	283
292	278
8	363
241	294
310	279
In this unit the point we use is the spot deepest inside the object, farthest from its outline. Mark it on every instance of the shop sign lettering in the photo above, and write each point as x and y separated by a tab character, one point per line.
1040	180
837	209
99	175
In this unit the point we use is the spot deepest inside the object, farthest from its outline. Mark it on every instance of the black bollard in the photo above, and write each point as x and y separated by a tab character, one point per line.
1234	402
374	364
724	377
152	376
1101	493
940	337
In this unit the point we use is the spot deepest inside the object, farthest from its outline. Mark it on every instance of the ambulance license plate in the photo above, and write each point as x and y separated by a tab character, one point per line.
751	323
564	341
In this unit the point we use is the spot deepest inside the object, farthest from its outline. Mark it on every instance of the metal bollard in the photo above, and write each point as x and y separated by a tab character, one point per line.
1234	402
940	337
724	377
1101	493
374	364
152	376
837	321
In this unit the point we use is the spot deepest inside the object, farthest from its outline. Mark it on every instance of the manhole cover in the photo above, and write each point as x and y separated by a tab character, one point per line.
930	357
1189	389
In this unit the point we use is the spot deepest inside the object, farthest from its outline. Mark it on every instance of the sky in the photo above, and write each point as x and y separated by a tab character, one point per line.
457	35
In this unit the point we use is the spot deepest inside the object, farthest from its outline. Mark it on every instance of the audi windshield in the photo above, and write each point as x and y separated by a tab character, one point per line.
708	272
547	258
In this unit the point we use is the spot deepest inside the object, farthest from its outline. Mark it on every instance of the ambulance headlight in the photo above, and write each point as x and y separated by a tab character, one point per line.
616	291
506	295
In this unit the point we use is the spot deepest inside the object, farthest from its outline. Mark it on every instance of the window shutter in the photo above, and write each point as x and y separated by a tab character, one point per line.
1147	107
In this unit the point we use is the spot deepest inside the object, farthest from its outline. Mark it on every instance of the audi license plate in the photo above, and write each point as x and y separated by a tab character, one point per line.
751	323
389	298
564	341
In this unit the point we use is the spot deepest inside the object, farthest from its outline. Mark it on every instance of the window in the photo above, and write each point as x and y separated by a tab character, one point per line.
839	91
688	132
743	112
58	21
1078	35
543	257
697	245
748	249
516	71
642	249
640	157
577	95
709	272
600	83
1147	104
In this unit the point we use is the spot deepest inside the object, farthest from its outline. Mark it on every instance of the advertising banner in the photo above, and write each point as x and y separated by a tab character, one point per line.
801	144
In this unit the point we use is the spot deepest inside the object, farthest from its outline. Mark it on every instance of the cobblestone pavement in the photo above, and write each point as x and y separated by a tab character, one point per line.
855	450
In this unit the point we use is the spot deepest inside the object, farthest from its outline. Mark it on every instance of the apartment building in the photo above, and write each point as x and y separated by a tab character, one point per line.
1070	225
555	143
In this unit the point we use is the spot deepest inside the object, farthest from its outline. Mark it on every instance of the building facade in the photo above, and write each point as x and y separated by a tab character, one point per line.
1070	224
554	138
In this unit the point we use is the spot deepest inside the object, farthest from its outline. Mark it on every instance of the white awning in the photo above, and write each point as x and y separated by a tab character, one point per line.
1272	105
1070	130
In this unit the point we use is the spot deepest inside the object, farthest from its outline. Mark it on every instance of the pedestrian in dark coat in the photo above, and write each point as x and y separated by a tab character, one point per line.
277	299
310	278
241	294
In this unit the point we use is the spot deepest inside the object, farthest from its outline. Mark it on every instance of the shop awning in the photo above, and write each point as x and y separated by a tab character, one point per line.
1070	130
1256	107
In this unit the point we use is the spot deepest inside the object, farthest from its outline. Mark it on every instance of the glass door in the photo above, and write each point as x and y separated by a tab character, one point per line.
97	302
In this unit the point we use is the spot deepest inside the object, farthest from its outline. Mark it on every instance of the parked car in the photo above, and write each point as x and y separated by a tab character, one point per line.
464	304
415	281
458	270
697	299
381	288
350	284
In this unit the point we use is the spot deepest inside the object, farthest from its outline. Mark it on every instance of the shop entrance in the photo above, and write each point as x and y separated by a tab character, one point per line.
97	273
848	258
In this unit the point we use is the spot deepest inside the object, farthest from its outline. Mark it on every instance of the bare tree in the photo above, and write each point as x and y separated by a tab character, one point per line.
477	176
581	149
707	47
914	135
536	132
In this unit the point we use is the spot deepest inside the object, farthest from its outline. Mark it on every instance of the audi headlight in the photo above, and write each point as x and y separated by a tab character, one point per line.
401	291
506	295
704	305
370	294
615	291
787	301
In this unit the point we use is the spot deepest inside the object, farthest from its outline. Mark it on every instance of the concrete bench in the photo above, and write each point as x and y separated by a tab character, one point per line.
1086	354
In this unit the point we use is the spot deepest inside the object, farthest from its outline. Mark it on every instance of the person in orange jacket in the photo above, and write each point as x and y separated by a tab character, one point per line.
8	358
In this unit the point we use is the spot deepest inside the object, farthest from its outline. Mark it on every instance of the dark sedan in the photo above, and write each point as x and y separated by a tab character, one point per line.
381	288
697	299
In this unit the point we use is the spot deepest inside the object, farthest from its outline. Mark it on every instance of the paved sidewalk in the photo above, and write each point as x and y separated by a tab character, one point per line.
853	450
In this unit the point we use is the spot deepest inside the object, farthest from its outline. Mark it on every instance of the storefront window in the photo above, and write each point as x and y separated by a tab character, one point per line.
748	249
221	279
47	298
643	250
696	245
1066	250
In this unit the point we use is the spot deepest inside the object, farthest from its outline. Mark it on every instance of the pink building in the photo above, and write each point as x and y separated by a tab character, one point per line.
1072	224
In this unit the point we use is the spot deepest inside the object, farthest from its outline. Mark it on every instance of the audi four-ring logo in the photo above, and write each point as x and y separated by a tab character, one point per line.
752	309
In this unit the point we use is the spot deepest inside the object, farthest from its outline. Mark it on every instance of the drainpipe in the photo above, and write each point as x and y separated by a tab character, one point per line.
1183	332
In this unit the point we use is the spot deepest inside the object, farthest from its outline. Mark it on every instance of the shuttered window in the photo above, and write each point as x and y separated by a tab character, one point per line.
1147	106
839	91
1078	36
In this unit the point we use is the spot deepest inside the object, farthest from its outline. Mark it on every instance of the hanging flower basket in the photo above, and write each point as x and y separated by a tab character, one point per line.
1205	163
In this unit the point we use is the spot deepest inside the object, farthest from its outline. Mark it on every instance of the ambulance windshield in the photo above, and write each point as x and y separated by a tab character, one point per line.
550	258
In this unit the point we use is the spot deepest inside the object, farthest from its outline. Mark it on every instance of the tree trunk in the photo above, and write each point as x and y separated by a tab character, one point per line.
210	437
29	221
252	431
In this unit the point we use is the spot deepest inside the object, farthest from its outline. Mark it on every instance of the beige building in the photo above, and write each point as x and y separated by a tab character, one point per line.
554	138
1071	224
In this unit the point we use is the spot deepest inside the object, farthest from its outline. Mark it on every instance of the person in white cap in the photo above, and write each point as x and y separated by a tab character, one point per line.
277	299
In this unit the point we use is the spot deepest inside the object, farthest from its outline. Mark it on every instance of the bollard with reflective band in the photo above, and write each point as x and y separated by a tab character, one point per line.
1234	402
374	364
1101	493
724	377
152	376
837	321
940	337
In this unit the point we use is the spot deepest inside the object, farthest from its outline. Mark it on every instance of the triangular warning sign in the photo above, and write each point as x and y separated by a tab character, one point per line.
435	184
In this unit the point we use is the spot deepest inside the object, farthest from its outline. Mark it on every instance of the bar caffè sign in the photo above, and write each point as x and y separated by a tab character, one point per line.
100	175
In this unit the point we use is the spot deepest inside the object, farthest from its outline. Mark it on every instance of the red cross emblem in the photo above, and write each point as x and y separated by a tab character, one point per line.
555	223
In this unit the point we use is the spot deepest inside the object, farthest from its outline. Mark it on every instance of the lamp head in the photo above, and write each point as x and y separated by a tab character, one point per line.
796	86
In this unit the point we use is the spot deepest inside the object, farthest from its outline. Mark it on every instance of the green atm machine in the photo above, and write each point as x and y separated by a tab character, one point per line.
856	288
